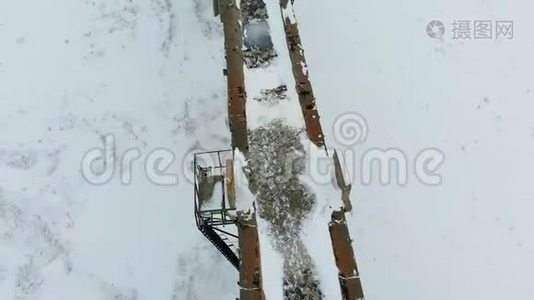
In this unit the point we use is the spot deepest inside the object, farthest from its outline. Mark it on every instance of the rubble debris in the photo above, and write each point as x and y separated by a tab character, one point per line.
259	50
258	58
276	162
273	96
254	10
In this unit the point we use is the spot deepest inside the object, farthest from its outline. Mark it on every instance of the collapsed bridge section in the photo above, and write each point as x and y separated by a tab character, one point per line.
259	105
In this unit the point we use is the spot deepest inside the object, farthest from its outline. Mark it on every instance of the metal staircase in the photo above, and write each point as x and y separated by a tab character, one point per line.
213	223
221	244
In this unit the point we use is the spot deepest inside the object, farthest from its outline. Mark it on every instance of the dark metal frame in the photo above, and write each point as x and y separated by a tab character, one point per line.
212	221
211	217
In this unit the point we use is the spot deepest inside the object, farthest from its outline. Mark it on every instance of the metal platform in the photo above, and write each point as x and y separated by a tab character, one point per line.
217	224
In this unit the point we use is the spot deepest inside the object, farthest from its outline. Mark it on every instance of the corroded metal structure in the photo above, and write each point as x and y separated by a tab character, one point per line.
349	277
250	276
237	95
350	283
302	80
244	252
234	233
213	221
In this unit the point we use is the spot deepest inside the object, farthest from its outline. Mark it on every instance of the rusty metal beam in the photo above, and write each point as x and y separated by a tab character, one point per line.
250	276
349	277
233	41
302	81
250	260
350	283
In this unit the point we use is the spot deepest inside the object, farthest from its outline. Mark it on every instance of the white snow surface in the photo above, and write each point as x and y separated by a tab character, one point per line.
261	113
288	12
244	198
215	202
149	72
344	167
319	177
327	194
469	237
276	74
272	263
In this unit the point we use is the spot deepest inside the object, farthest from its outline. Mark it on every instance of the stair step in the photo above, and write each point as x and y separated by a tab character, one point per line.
220	244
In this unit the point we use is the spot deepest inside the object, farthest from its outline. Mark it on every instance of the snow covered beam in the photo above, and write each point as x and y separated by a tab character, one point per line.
300	73
343	179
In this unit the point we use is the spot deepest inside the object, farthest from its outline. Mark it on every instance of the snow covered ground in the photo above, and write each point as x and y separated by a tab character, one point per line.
149	73
470	237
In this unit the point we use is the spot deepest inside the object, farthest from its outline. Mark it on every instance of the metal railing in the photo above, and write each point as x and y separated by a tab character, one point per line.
206	164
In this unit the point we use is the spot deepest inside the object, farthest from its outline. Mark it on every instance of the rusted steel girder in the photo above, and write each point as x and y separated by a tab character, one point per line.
349	277
302	81
250	278
233	41
351	286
